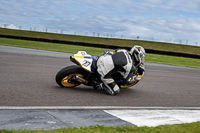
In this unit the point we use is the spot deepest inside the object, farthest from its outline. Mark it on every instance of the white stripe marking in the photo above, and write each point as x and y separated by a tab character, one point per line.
154	118
100	107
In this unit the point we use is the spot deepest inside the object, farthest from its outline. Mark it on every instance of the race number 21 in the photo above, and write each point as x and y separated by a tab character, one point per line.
86	63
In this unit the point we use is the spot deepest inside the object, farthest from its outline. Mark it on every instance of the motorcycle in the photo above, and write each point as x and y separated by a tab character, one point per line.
85	72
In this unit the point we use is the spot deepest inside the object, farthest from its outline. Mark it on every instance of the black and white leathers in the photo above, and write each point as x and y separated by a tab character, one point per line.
108	64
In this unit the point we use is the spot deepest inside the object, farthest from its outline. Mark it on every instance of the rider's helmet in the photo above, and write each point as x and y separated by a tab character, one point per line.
138	53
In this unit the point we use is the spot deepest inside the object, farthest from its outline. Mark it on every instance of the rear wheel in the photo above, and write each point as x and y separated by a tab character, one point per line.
64	77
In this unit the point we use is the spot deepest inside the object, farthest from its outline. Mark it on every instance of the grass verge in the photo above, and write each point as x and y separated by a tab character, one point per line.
108	41
179	128
154	58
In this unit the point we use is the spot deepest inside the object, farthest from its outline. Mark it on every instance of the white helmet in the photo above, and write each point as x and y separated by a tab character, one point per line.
138	52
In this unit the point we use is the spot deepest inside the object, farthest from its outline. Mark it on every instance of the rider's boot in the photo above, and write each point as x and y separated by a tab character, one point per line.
107	90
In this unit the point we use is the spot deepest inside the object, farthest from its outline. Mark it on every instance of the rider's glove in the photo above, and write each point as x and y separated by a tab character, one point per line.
130	80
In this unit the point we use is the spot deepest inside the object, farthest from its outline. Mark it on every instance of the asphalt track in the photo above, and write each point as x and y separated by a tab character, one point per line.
31	99
28	79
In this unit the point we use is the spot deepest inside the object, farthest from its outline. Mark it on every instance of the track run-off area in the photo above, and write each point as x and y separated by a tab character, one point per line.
28	80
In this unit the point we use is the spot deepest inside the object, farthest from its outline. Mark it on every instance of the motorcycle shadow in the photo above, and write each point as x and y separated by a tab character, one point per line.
87	89
81	88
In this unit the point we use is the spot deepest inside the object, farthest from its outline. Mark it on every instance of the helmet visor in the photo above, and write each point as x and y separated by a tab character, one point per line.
142	55
142	58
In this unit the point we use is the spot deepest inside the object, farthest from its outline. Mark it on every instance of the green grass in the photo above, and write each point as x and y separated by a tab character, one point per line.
173	60
179	128
50	46
163	59
108	41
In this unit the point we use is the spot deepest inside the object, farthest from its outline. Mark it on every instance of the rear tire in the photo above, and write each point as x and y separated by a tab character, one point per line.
64	75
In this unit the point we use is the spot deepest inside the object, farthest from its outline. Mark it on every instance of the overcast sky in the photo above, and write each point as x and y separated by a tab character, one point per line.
160	20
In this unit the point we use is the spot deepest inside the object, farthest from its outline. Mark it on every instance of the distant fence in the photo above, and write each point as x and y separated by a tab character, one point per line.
100	46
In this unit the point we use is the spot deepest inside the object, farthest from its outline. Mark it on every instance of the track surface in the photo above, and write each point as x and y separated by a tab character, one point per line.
28	79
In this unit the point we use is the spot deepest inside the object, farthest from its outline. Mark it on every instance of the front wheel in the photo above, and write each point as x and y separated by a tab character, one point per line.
133	83
64	77
129	85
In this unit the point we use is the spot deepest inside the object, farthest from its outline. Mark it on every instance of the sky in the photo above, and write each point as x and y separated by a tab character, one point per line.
175	21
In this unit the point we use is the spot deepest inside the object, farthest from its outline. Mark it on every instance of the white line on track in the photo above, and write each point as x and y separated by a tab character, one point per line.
98	108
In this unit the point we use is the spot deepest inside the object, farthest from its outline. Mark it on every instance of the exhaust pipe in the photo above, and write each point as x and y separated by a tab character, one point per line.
79	79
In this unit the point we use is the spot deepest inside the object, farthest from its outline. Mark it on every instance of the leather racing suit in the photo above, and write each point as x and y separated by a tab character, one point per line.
110	63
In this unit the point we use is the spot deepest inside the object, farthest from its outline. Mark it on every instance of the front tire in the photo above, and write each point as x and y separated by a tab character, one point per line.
129	85
64	76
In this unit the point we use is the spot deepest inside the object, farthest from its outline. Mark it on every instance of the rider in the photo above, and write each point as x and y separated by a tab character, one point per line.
121	61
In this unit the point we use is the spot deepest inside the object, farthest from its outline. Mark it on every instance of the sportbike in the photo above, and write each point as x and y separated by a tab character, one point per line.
85	72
